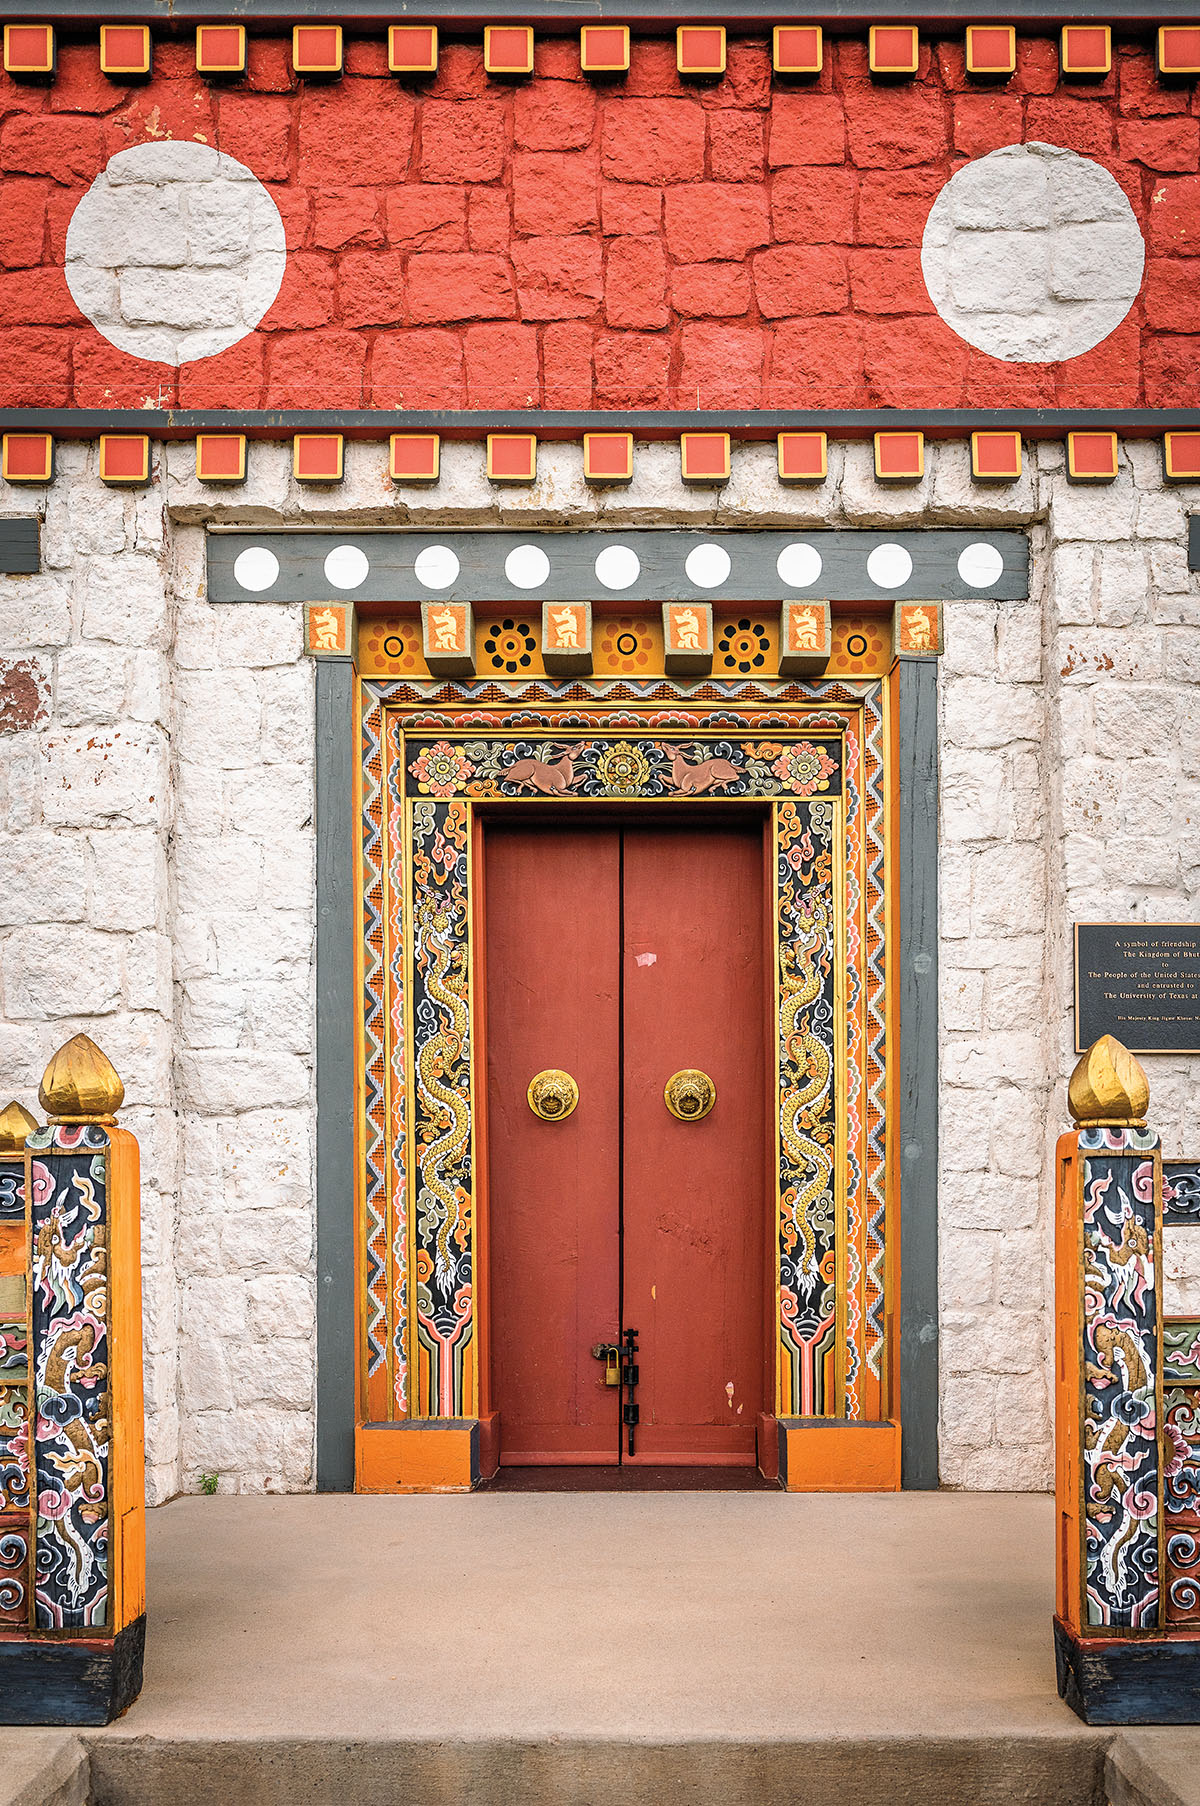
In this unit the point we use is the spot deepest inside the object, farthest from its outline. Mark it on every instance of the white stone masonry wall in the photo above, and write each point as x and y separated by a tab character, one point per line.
157	885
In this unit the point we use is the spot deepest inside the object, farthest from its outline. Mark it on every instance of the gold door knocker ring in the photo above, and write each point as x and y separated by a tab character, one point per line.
552	1095
689	1095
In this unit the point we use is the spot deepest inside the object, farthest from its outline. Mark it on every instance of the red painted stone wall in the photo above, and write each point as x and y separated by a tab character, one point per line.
569	243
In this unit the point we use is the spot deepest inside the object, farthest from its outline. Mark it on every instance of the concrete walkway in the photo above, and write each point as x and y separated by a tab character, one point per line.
600	1650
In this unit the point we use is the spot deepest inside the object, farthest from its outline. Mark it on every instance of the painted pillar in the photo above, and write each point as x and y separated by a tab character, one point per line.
72	1527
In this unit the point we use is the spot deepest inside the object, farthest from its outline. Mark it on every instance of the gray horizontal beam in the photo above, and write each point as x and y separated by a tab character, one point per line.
646	423
563	14
387	566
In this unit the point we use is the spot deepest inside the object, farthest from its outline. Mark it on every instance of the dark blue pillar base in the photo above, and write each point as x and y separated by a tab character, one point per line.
1134	1680
75	1681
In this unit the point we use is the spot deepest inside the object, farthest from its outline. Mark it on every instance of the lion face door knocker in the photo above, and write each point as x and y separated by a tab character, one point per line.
552	1095
689	1095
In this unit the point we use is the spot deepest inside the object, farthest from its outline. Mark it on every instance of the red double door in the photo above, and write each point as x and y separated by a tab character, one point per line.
622	955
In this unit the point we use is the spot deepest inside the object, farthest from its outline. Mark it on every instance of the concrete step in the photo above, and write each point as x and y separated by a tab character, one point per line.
42	1768
1004	1771
1154	1768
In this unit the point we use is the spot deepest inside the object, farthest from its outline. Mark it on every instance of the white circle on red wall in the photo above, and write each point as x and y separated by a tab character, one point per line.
1032	253
175	252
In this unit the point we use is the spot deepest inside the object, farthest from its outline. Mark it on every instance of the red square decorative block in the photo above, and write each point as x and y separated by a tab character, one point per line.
317	457
704	457
608	457
28	457
899	457
124	458
803	457
220	49
125	50
1179	49
416	457
991	49
29	49
798	49
700	50
1181	457
996	457
512	457
894	49
1091	457
508	49
221	457
1086	49
413	49
603	49
317	49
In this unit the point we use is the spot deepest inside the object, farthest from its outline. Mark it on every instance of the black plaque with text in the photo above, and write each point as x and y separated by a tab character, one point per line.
1138	981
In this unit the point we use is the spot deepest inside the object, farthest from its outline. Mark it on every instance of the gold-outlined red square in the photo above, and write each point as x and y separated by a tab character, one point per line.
604	49
318	457
508	49
1085	49
1091	457
704	457
1179	49
512	457
802	457
413	49
608	457
700	49
1181	457
899	457
991	49
125	50
894	49
28	458
415	457
317	49
221	457
996	457
30	49
124	458
220	49
798	49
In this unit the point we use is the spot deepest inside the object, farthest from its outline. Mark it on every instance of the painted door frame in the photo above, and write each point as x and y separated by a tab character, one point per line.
914	878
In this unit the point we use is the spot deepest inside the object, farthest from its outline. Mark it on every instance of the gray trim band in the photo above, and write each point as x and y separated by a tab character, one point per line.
335	833
918	1126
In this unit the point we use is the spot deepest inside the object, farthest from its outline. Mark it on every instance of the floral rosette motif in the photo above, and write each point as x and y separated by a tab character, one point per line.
802	768
622	770
441	769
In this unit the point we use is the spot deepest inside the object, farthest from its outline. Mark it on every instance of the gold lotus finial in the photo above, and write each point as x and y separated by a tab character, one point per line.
1108	1085
15	1124
80	1084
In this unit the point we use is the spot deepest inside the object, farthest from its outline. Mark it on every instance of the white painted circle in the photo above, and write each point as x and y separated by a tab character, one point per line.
346	567
981	565
618	566
256	568
708	566
889	567
436	567
175	252
527	567
798	566
1032	253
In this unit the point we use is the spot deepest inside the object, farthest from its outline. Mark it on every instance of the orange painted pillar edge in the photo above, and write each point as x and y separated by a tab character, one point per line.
1068	1422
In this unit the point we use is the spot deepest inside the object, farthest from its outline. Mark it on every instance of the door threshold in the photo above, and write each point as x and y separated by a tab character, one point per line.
629	1479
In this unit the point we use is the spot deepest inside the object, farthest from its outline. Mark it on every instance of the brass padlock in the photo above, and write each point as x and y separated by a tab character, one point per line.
610	1354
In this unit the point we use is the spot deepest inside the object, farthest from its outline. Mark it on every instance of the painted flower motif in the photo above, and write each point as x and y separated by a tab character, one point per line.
441	770
622	770
804	768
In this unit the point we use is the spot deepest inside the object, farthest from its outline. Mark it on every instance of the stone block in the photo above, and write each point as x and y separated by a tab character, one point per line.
118	774
267	1241
968	1415
52	972
43	878
127	879
34	611
227	1081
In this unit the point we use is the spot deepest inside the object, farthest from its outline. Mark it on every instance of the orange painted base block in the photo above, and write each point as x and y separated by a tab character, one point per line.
427	1454
823	1454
